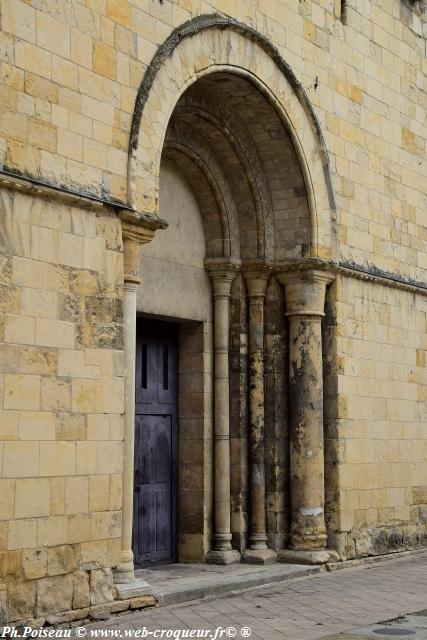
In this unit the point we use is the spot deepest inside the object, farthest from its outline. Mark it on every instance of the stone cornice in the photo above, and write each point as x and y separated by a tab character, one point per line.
369	273
34	186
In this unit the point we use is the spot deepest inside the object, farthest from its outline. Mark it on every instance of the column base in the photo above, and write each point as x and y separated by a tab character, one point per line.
226	556
294	556
259	556
125	571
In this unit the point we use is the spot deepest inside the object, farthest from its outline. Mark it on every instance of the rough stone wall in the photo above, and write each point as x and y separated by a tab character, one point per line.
61	422
376	411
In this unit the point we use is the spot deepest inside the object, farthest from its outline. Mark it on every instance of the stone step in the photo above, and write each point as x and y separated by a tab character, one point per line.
184	582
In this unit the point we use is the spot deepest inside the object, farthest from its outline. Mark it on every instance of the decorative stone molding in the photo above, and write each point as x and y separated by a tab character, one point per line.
215	44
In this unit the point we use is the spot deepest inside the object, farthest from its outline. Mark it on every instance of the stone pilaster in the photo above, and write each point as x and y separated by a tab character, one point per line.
134	236
222	275
305	299
256	276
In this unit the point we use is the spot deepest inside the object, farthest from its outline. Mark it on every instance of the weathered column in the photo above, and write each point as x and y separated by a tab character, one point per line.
256	277
134	236
305	299
222	275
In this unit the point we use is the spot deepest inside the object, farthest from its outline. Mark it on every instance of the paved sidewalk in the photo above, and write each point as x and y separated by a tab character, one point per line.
310	608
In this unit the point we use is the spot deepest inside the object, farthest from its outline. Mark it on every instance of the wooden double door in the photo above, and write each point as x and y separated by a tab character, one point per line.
156	443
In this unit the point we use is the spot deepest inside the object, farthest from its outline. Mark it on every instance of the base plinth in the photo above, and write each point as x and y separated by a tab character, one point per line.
138	587
259	556
229	556
293	556
124	573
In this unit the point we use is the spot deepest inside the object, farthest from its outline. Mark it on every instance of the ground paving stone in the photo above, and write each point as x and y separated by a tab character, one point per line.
343	605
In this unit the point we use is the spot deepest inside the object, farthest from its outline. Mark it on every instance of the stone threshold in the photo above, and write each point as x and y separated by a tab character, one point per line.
176	583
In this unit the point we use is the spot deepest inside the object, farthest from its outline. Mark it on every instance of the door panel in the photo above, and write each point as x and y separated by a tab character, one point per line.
155	480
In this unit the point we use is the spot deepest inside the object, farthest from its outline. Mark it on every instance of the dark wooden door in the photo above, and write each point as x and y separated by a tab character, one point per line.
156	444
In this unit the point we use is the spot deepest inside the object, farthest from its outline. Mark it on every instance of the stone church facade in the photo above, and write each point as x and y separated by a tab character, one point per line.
213	310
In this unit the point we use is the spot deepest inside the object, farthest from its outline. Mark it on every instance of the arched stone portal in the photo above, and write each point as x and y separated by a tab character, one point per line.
223	108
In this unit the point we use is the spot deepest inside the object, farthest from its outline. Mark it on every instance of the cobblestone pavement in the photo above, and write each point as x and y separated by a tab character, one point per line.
321	606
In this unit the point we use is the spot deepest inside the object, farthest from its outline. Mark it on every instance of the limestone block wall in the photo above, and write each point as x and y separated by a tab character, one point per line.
61	399
70	72
376	412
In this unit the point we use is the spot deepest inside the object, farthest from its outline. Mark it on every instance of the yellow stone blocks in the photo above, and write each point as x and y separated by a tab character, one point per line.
67	95
104	60
60	462
379	407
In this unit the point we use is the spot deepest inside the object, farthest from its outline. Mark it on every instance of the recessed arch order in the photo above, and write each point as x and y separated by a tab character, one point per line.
215	44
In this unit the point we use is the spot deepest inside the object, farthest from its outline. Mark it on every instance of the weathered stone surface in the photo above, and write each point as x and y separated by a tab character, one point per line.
100	612
10	565
132	589
119	606
143	601
61	560
54	594
34	563
67	616
81	593
21	597
101	586
304	557
3	606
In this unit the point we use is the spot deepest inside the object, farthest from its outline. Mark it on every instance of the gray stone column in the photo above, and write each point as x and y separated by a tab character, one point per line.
256	277
222	275
305	299
134	236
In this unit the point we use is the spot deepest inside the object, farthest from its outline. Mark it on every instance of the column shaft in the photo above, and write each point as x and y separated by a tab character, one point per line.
305	299
222	277
134	235
258	551
306	437
129	328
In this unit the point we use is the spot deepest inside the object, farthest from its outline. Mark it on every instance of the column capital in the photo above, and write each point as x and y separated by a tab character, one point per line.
305	291
134	236
222	273
256	275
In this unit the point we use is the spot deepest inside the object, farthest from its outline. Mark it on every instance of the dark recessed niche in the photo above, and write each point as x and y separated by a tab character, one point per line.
343	15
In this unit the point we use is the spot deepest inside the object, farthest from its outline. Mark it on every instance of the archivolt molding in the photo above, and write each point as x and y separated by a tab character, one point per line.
250	171
210	188
215	43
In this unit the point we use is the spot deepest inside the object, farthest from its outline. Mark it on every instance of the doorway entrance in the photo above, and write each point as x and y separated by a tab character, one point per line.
156	443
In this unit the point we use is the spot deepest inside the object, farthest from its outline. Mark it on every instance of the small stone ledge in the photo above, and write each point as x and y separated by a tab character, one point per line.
135	589
361	562
367	273
36	187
